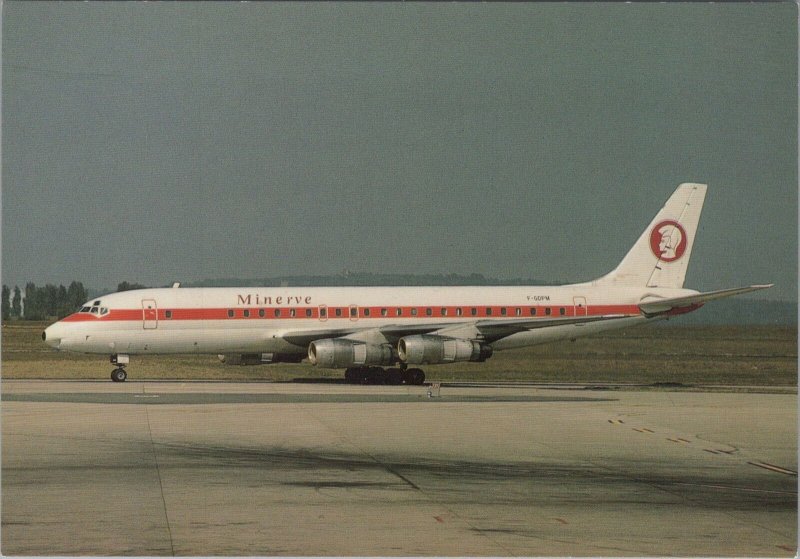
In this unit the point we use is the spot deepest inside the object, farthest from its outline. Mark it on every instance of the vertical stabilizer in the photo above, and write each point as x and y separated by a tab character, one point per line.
661	255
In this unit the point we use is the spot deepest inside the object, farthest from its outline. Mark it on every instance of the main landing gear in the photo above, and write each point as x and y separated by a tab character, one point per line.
119	374
379	375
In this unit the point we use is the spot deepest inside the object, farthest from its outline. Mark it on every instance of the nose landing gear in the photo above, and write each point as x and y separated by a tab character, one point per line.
120	360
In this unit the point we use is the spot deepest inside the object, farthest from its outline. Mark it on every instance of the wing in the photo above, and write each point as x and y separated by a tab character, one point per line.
496	329
485	330
390	333
684	304
493	330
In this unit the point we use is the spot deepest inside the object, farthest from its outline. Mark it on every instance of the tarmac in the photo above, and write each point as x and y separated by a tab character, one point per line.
196	468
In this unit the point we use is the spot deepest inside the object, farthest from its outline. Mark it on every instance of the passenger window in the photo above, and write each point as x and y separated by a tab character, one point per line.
277	312
261	313
384	312
230	313
459	311
353	312
323	312
444	311
503	311
247	313
533	311
547	311
292	312
338	312
366	312
399	311
308	312
562	311
414	312
428	311
488	311
473	311
518	311
167	314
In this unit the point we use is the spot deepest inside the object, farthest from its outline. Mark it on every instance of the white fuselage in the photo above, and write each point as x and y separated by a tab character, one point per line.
231	320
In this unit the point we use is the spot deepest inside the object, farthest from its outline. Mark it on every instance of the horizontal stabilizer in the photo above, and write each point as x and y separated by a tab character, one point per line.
657	306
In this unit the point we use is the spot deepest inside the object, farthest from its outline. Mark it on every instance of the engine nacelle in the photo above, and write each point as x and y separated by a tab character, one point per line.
338	353
259	358
416	350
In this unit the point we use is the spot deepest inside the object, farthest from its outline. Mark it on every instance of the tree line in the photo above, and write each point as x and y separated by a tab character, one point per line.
49	301
41	303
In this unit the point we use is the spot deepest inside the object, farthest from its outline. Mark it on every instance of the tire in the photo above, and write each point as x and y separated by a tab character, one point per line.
415	376
394	376
119	375
376	375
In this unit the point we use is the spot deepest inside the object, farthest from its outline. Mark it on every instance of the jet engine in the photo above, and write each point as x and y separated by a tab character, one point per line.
416	350
259	358
338	353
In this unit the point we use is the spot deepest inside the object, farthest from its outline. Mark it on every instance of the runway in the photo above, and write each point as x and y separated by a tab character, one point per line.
156	468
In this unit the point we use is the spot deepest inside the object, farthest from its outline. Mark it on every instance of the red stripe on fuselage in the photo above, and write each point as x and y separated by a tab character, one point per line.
363	313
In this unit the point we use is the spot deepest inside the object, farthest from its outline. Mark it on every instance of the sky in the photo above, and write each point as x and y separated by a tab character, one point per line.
152	143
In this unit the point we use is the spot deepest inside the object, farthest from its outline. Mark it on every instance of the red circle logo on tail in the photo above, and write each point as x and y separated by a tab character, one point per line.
668	240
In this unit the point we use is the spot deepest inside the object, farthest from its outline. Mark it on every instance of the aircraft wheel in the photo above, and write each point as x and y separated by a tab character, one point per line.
376	375
413	376
394	376
119	375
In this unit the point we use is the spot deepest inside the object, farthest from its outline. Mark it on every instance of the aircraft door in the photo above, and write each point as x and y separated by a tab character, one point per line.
580	306
149	314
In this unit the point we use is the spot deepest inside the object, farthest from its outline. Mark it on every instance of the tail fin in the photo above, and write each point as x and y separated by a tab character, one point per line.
661	255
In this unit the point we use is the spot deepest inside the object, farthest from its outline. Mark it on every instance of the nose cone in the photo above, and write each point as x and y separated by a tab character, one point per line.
52	335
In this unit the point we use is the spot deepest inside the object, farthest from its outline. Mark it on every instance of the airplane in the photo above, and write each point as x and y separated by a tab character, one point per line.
364	329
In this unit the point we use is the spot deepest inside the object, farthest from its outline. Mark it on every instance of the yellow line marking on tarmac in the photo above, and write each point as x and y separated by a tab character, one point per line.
734	488
679	441
774	468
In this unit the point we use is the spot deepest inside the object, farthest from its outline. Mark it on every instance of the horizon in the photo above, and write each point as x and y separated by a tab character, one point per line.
340	281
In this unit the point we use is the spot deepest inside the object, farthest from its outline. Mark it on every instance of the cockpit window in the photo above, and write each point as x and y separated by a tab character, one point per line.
96	303
103	311
94	310
85	309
